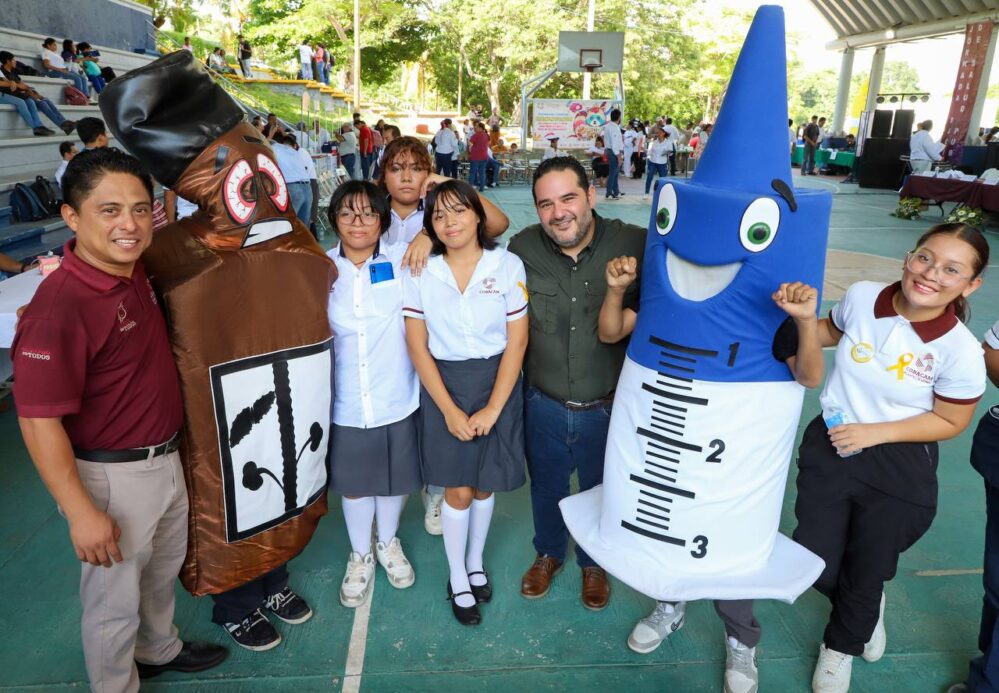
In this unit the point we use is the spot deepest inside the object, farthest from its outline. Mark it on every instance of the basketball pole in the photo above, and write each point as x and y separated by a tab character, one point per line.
357	56
588	76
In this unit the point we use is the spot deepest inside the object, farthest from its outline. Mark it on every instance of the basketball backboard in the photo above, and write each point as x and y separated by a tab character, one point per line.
590	51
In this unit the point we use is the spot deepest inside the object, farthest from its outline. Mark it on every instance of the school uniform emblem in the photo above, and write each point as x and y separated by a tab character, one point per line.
272	413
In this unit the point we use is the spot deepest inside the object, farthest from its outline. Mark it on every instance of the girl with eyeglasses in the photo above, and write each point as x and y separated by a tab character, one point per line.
375	459
466	328
907	373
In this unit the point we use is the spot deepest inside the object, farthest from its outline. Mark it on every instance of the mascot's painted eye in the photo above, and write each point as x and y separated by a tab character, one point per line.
666	210
238	202
278	191
759	224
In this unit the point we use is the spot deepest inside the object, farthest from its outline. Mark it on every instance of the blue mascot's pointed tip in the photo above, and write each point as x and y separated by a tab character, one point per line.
748	146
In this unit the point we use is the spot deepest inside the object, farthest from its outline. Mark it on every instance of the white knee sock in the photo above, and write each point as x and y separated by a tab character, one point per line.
455	525
359	513
387	511
481	514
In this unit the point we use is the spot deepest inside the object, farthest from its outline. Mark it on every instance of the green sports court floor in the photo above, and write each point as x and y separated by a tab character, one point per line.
408	641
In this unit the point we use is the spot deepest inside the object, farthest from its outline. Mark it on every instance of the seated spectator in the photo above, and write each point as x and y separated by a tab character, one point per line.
187	45
9	266
88	59
27	101
67	150
552	150
215	61
599	162
273	127
226	69
258	122
493	167
55	66
92	133
69	55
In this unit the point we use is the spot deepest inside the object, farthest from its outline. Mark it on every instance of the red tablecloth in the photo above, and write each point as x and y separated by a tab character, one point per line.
973	193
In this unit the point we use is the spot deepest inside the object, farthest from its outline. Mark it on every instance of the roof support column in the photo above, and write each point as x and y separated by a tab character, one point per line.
983	86
874	84
843	91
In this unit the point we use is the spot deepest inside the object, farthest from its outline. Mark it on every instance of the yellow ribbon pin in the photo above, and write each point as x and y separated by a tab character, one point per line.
523	287
903	361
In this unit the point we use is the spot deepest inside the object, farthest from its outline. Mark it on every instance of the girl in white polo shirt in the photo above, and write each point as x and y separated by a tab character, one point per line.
466	327
375	459
406	176
907	373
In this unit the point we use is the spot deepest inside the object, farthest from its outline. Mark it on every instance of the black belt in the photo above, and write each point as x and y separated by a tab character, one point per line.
583	406
132	455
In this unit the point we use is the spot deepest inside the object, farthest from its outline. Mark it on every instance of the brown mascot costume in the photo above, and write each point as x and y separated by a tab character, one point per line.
245	288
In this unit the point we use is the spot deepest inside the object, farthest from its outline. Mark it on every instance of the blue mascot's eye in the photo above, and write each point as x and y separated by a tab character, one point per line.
759	233
662	219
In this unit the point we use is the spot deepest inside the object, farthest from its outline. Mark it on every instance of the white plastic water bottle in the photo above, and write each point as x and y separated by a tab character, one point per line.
834	415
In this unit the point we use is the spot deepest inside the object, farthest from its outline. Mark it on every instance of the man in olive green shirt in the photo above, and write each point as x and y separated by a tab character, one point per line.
570	374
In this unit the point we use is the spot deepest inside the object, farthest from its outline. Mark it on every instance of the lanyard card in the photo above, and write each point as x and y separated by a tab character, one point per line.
381	272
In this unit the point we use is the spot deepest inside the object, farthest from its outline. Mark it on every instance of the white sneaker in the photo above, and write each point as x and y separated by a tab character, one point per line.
741	675
875	647
432	516
393	560
358	579
832	671
649	633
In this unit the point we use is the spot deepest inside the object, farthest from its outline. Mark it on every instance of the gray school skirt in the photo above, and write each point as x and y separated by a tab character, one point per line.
381	461
490	463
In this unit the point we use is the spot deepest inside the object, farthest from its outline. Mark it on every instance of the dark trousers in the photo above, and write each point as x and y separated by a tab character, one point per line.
808	160
740	623
983	675
348	163
559	441
366	166
858	530
672	169
442	164
613	170
238	603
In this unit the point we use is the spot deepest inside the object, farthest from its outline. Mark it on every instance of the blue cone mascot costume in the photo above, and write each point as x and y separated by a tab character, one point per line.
704	415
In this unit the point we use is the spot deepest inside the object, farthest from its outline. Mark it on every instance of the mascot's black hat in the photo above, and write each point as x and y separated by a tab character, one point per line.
167	113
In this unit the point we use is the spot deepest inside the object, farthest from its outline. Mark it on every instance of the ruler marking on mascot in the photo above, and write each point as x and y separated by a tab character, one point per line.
705	414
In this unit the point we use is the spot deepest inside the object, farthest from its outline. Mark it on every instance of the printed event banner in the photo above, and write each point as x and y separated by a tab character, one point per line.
575	122
976	46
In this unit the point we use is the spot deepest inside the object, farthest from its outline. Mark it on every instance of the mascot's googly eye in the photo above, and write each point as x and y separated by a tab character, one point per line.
240	208
759	224
280	189
665	210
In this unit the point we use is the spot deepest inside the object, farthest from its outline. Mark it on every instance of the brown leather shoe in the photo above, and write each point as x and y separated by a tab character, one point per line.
596	588
538	577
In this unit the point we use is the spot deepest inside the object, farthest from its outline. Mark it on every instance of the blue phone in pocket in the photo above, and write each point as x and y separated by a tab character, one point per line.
381	272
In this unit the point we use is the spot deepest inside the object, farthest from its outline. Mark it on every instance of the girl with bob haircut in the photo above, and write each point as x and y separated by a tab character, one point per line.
406	178
375	459
466	328
907	373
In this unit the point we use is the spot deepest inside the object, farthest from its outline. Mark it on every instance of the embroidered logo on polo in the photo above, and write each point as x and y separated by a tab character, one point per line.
489	286
124	322
272	415
922	369
862	352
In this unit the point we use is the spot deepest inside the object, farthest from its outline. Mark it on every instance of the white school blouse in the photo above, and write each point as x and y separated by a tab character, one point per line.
469	325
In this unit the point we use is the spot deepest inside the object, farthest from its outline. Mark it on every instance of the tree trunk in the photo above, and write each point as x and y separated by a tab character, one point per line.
494	97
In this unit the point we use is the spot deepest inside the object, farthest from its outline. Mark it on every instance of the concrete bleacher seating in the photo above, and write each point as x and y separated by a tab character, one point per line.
24	156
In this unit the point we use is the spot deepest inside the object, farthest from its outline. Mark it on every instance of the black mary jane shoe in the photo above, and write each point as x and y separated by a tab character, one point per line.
466	615
482	593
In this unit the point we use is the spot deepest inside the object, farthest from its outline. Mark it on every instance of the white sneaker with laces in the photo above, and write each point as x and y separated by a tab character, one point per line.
397	568
741	675
358	579
432	516
832	671
649	633
875	647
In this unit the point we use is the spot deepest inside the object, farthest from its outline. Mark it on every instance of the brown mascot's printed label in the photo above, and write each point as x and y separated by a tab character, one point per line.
245	288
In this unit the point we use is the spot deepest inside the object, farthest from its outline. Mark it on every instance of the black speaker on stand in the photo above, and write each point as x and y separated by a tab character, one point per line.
881	124
901	128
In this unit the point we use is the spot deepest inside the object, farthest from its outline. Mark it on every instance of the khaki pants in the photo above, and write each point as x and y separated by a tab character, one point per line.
128	608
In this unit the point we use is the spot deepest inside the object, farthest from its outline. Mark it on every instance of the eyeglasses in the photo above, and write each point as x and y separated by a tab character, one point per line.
346	216
920	262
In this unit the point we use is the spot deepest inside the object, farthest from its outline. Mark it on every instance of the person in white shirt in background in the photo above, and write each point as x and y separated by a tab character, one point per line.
823	132
792	135
296	175
673	137
445	148
55	66
347	147
614	143
305	55
923	151
658	149
67	150
310	167
630	146
552	150
375	456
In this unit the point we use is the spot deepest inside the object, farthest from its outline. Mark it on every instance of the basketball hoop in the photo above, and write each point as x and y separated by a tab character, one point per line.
591	59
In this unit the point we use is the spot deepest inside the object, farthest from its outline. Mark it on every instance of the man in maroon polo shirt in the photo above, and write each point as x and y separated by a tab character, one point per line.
98	401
